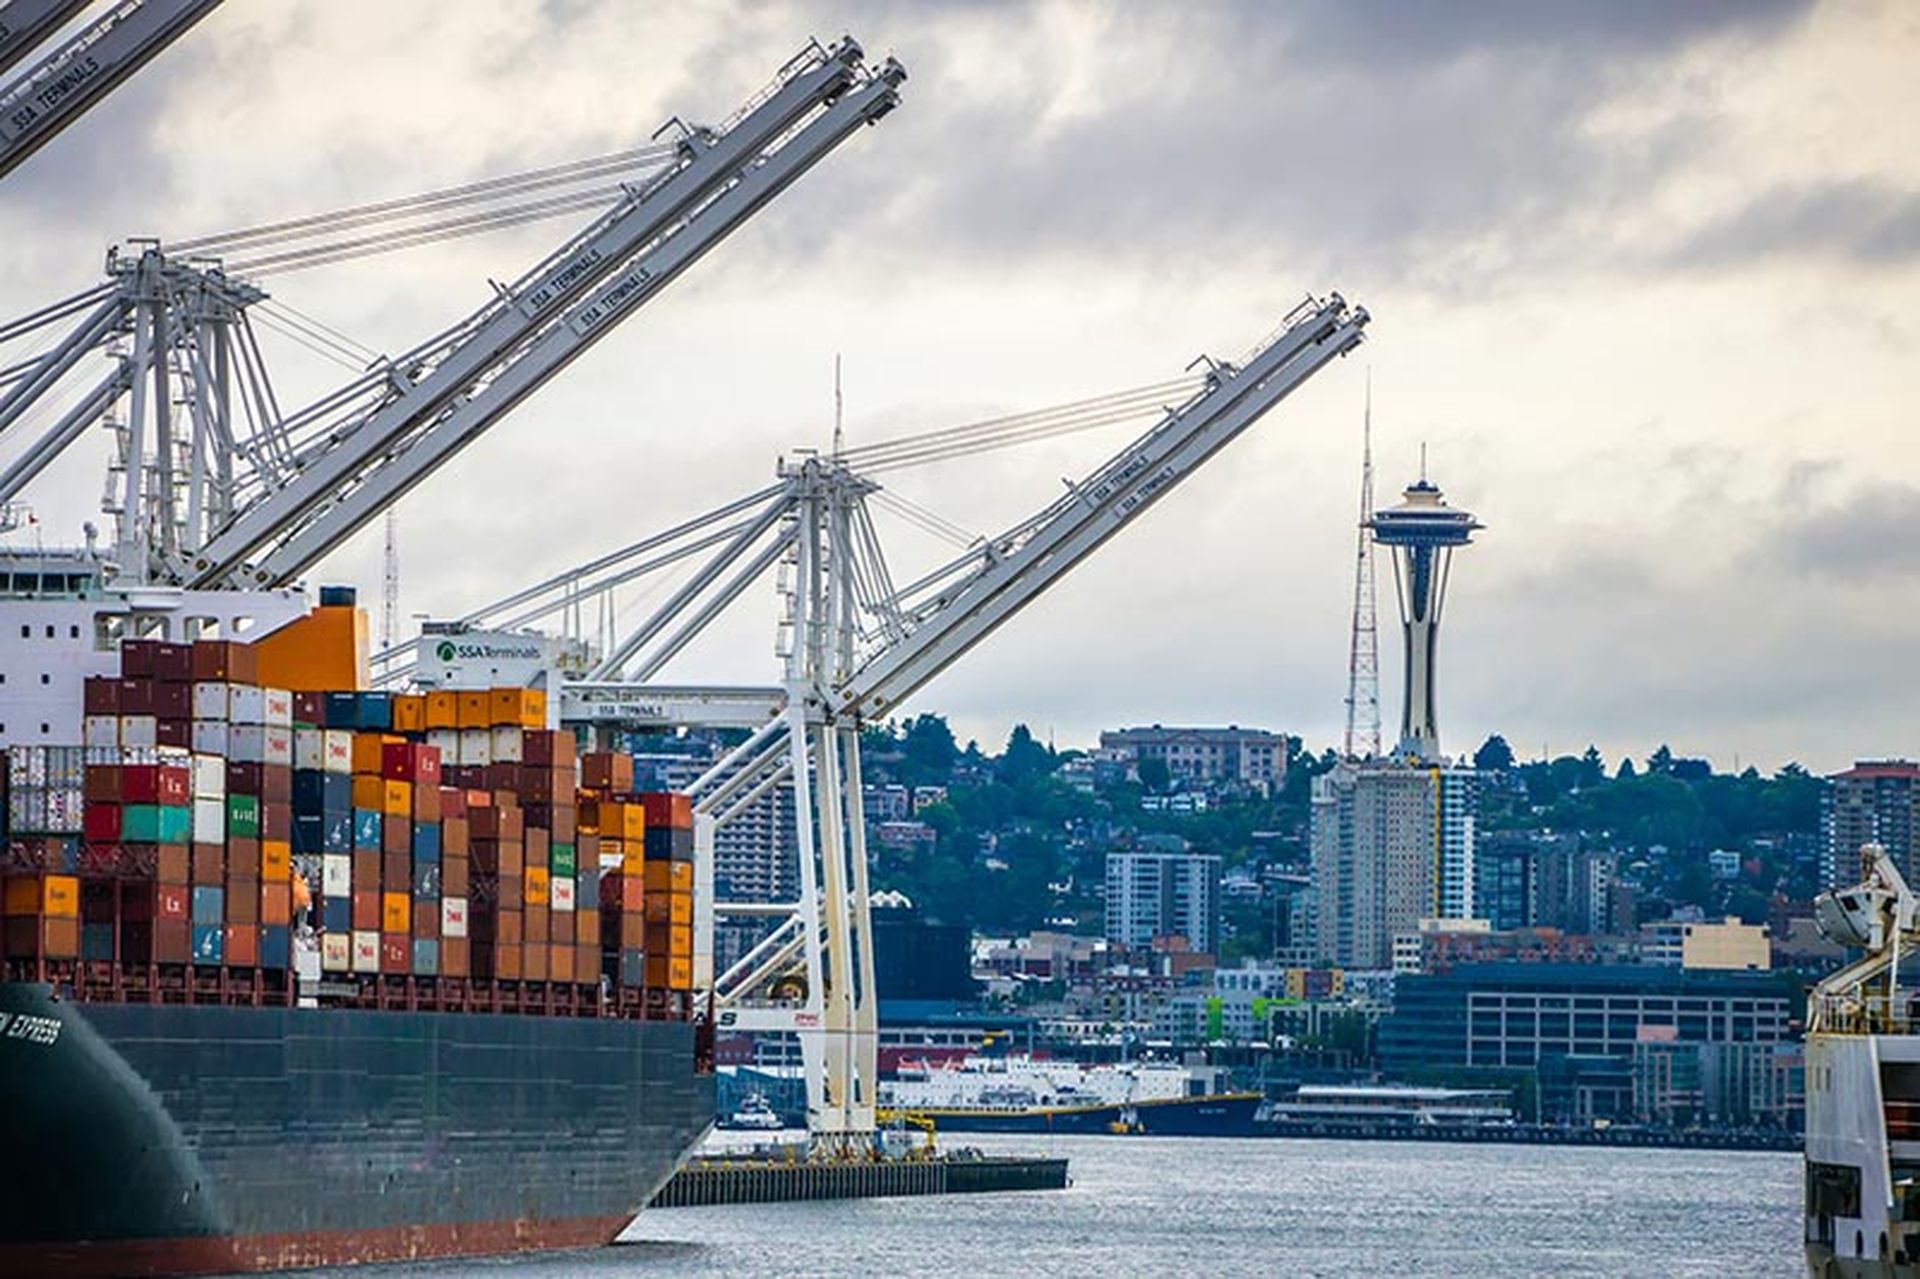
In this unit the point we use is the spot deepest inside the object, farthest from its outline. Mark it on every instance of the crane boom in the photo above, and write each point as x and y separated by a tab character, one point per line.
55	91
25	23
510	348
1020	565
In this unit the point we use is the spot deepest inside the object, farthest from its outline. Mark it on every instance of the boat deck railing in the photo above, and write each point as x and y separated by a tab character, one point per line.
1859	1012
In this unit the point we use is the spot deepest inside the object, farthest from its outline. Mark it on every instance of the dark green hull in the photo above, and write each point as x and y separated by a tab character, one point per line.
169	1139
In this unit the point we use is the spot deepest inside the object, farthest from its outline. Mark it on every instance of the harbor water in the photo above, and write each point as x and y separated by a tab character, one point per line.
1192	1206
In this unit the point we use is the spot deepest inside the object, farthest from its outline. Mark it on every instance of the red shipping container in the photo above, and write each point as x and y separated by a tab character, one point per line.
276	904
547	748
100	695
396	835
366	872
173	701
101	822
533	963
501	777
310	708
606	771
209	860
243	901
455	959
174	732
453	876
620	892
409	762
668	810
173	663
366	909
426	920
453	802
396	872
102	784
172	903
426	805
276	820
243	946
455	839
136	658
396	953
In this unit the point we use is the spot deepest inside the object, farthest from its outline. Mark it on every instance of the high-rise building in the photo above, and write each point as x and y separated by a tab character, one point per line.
1872	802
1422	533
1155	894
1392	845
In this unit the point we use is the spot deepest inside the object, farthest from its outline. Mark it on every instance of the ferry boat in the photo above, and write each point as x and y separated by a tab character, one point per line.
1029	1094
754	1115
1388	1107
1862	1183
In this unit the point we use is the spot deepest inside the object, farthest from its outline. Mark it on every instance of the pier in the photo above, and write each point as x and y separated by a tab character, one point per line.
764	1178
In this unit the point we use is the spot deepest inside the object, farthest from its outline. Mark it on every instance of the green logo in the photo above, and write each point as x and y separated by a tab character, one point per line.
444	651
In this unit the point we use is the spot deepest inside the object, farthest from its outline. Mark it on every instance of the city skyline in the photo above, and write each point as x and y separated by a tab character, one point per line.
1701	542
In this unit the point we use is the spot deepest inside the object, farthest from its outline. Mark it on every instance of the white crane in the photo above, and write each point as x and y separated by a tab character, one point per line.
56	90
207	505
854	647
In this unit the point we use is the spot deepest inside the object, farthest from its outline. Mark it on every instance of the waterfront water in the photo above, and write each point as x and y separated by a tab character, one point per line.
1174	1206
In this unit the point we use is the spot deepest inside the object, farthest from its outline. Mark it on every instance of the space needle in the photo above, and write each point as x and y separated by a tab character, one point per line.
1422	532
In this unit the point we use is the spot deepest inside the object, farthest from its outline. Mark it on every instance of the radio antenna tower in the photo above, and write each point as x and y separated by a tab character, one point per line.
390	583
1363	652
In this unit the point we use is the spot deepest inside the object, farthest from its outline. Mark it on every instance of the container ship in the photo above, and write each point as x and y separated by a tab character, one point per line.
298	973
1862	1175
1029	1094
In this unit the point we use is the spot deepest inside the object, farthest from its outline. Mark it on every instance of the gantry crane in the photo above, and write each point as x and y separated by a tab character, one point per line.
207	504
854	647
56	90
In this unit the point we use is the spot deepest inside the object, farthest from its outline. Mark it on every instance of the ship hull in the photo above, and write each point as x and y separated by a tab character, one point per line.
1227	1115
148	1139
1862	1156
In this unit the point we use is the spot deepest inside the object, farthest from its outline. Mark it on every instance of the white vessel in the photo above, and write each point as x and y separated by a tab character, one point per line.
755	1114
1862	1185
1020	1093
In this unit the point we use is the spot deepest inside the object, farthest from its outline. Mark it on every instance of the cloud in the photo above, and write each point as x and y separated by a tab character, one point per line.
1868	535
1866	221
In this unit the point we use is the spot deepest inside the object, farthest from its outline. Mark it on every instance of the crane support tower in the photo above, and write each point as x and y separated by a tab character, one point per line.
853	647
59	88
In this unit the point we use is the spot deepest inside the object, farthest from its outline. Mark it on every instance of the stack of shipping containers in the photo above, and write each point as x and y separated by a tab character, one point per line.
444	848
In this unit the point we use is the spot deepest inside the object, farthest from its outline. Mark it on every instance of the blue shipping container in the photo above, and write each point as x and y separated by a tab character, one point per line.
209	907
426	842
209	941
366	828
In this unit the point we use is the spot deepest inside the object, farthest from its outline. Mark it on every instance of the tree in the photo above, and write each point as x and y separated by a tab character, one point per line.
1025	760
1661	760
1154	775
1494	755
1593	769
928	746
1626	771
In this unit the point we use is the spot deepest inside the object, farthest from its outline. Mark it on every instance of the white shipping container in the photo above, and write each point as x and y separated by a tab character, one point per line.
276	745
476	746
246	743
210	774
336	875
100	731
336	952
309	748
447	742
244	705
506	746
453	917
210	701
139	730
276	707
66	810
209	821
366	952
210	736
560	893
339	753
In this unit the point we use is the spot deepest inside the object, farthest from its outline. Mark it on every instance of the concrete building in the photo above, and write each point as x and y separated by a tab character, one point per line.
1392	844
1153	895
1875	801
1231	756
1514	1015
1729	944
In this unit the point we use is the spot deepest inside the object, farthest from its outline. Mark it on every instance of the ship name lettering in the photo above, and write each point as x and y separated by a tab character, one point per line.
35	1030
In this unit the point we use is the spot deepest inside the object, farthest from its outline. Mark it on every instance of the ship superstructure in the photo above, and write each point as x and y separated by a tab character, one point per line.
1862	1194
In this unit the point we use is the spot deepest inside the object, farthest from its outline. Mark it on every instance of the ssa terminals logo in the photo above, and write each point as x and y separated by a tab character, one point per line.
445	651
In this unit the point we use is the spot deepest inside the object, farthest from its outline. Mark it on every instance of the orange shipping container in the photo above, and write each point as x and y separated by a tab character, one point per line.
409	713
276	904
560	961
533	963
443	710
669	908
325	651
665	973
368	749
475	709
369	792
537	887
396	913
54	896
276	860
668	877
397	798
518	707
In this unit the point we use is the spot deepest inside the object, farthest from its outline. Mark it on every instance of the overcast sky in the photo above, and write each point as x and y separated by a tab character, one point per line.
1644	277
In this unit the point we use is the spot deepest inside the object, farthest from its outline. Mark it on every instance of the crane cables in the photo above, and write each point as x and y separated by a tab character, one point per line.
1019	428
431	217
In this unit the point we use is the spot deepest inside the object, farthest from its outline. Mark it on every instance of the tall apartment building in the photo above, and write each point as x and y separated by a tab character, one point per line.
1392	844
1872	802
1211	756
1153	894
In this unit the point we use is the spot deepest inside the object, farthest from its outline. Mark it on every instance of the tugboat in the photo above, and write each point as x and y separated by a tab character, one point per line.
1863	1086
755	1115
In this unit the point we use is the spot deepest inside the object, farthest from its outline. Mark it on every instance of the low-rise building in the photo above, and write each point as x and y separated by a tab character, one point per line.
1233	756
1729	944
